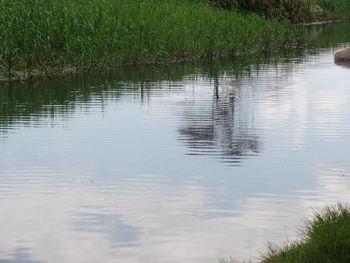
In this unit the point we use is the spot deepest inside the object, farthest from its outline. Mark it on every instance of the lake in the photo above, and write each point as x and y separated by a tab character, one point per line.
189	162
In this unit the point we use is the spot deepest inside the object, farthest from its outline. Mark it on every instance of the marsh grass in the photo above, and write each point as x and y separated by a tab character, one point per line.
39	36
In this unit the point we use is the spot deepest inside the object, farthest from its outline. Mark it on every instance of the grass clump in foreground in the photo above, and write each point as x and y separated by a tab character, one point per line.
38	36
325	239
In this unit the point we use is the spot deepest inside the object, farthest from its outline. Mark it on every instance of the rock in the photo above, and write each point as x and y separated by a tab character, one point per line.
342	56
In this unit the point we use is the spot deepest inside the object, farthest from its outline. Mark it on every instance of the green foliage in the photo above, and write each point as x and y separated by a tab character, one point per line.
294	10
334	8
41	35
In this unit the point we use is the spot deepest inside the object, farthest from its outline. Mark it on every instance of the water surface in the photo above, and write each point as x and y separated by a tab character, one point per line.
181	163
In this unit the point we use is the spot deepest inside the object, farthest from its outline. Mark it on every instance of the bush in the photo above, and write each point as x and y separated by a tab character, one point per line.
295	10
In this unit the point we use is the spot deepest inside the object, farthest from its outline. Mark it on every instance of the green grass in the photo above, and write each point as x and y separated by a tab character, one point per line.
325	239
38	36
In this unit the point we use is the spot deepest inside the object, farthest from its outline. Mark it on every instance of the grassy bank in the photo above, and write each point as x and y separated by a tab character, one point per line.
38	36
325	239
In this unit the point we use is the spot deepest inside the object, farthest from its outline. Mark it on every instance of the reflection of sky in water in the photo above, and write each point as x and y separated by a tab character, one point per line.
191	171
20	255
116	231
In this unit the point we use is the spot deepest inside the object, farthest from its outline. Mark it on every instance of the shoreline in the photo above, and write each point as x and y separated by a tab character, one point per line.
325	22
97	69
20	76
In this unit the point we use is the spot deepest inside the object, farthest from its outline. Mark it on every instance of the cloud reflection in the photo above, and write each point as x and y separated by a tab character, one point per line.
169	224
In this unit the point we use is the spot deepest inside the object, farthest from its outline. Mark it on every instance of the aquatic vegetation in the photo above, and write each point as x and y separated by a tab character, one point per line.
40	36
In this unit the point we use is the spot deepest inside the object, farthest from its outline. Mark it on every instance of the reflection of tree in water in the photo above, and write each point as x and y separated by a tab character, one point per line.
53	101
43	102
46	102
20	254
219	123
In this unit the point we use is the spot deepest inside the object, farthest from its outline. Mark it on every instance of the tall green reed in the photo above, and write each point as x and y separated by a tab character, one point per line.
41	35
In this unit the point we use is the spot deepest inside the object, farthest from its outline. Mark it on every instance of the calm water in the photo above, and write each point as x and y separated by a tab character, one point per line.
182	163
